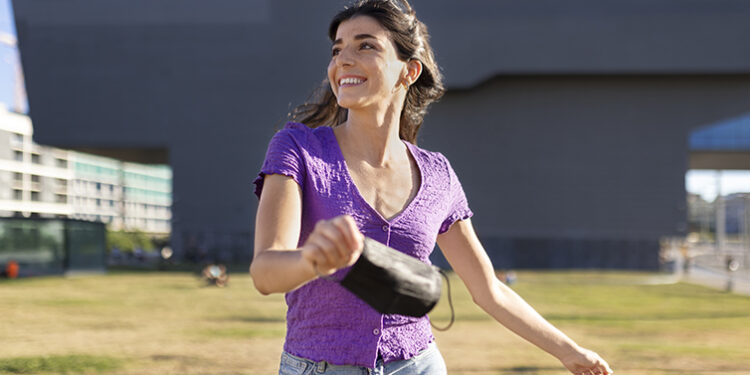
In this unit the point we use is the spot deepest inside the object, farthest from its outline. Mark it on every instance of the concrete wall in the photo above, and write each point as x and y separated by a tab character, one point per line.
579	165
586	96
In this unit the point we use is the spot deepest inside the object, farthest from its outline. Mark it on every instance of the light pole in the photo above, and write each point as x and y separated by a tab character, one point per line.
721	217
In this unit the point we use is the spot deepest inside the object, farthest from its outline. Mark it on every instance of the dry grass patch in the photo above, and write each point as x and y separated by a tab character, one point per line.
169	323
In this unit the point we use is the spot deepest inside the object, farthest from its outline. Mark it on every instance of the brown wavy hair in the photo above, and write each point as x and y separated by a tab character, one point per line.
412	43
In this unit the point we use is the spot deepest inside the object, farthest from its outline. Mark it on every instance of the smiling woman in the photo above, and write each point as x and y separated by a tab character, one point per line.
409	39
351	169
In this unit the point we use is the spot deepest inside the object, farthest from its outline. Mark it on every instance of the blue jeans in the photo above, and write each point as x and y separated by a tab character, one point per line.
427	362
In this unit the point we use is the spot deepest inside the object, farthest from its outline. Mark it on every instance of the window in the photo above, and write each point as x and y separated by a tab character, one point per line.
36	158
18	194
17	176
35	196
35	178
18	155
61	182
61	198
61	163
18	138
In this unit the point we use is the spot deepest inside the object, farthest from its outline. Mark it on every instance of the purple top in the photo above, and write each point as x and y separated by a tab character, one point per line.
325	322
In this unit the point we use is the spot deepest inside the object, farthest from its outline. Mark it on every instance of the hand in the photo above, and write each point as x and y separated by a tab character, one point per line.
333	244
586	362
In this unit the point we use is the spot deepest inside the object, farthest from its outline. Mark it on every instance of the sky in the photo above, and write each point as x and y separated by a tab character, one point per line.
708	183
703	182
8	54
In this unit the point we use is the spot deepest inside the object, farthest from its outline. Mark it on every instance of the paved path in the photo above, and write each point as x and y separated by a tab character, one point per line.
740	283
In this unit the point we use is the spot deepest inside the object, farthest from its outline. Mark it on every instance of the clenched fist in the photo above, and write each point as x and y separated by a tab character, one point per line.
333	244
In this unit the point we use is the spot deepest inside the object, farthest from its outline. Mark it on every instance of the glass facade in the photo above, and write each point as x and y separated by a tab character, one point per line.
124	195
36	245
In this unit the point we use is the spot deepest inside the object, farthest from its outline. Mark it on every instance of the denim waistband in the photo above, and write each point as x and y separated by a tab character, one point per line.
304	364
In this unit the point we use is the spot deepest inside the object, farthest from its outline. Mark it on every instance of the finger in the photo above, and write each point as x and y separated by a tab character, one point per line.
335	240
319	249
345	230
328	250
351	233
356	234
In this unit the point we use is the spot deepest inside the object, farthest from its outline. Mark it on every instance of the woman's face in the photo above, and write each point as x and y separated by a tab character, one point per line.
365	71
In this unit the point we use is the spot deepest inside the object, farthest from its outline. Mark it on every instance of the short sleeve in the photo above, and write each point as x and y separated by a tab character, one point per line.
284	156
458	205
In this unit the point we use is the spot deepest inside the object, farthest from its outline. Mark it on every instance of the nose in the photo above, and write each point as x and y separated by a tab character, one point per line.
344	57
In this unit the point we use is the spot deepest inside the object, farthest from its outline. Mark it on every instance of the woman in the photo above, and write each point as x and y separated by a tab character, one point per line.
353	170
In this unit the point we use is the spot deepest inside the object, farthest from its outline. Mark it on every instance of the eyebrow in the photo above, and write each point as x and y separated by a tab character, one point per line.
356	37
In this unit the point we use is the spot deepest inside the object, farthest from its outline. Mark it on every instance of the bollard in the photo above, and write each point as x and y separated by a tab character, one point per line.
732	266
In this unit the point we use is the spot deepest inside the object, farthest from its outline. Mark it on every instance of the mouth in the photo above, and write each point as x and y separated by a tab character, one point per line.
351	81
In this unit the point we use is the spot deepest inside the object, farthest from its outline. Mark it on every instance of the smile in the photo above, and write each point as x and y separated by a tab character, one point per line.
351	81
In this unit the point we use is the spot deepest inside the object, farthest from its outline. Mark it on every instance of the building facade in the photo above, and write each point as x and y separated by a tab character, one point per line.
123	195
49	182
34	179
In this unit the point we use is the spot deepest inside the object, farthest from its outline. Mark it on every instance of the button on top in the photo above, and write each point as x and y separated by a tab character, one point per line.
375	331
385	228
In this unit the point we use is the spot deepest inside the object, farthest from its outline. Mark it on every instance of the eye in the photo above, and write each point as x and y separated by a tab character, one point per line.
366	45
335	51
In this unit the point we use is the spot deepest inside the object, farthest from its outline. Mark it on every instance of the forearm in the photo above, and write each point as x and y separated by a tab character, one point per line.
510	310
280	271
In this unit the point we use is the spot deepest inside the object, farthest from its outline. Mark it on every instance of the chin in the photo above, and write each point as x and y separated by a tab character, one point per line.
348	103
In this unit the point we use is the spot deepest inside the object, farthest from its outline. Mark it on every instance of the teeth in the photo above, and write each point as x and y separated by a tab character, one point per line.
350	81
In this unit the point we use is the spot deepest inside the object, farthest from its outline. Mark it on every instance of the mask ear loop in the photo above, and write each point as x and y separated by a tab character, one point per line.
450	303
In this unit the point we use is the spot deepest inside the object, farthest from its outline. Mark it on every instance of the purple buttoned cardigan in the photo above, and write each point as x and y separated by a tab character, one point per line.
325	322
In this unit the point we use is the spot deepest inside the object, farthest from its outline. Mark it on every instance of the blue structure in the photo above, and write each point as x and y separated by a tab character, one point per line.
730	135
722	145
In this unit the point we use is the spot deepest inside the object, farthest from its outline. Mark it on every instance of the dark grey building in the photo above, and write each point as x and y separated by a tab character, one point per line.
567	121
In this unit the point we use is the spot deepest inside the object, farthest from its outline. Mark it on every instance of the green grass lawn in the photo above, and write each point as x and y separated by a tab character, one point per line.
170	323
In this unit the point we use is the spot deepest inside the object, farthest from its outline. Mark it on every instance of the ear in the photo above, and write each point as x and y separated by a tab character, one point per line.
413	71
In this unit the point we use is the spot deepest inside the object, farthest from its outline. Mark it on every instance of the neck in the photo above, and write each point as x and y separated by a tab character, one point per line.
372	136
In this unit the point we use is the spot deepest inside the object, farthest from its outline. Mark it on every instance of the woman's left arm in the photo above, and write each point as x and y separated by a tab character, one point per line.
468	258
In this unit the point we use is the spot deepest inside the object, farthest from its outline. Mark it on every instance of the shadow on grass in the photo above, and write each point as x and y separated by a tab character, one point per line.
184	359
243	333
530	369
60	364
653	317
516	370
252	319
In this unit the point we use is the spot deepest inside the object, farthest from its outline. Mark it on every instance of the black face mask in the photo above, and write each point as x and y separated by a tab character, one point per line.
393	282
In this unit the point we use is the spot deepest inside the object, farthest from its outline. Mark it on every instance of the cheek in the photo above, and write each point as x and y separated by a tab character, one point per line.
392	75
332	77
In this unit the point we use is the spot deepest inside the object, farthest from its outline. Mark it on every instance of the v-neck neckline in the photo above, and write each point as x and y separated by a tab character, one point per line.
354	190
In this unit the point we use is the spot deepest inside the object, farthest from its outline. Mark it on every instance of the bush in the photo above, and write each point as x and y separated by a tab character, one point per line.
129	241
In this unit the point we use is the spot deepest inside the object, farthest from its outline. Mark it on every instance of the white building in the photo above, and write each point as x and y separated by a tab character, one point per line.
50	182
34	179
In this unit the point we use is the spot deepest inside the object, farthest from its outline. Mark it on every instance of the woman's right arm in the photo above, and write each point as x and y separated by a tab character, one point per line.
279	266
